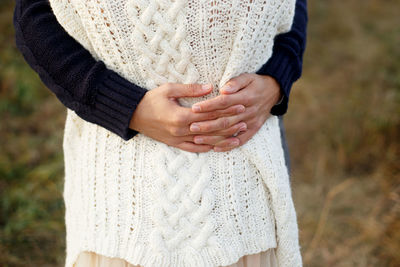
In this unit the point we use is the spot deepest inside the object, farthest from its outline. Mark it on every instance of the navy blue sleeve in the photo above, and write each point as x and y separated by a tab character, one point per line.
96	94
286	62
102	96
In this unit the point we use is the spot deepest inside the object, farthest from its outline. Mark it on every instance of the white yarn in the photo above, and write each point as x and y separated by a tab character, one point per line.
156	205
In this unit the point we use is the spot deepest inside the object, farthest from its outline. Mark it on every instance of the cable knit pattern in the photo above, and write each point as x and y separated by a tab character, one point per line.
156	205
166	56
186	202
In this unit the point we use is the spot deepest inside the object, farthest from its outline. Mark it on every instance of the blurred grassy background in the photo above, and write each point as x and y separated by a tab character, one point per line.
343	129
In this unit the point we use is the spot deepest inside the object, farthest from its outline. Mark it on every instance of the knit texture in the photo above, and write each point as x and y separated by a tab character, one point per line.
103	97
97	94
156	205
286	62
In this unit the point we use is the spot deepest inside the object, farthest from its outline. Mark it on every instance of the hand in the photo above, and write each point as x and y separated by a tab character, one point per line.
160	116
258	93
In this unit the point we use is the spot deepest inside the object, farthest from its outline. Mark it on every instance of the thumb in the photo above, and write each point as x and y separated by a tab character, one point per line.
188	90
236	83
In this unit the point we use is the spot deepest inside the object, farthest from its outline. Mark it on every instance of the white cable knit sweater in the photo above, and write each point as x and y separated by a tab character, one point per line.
156	205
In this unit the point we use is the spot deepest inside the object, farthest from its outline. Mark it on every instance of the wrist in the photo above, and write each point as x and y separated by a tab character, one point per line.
278	91
135	121
281	97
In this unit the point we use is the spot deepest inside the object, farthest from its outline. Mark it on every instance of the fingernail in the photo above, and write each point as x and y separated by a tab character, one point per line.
240	109
196	108
235	143
194	128
206	87
243	128
227	88
198	140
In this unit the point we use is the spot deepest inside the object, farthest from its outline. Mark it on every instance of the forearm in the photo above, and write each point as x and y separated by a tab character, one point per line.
285	64
97	94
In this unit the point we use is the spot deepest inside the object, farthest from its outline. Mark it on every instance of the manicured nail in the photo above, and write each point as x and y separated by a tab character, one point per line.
206	87
196	108
198	140
194	128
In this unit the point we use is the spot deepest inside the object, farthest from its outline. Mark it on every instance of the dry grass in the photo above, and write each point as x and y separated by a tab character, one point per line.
342	128
343	132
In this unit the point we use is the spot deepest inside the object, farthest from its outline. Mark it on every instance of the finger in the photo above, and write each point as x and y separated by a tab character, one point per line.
208	140
191	147
236	83
220	102
212	138
245	136
217	124
238	127
184	131
227	144
212	115
177	90
183	118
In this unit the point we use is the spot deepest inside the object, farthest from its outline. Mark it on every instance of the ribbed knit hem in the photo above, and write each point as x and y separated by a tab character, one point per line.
280	66
115	101
139	254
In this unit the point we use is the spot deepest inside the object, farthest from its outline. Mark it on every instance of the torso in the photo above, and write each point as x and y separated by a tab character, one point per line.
156	204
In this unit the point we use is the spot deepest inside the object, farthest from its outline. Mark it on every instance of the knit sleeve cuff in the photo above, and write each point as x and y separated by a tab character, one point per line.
114	103
281	67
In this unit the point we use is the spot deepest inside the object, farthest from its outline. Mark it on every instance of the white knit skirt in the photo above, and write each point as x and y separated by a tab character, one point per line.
90	259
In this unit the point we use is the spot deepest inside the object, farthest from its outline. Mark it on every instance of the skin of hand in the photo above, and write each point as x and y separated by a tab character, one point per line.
160	116
258	93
